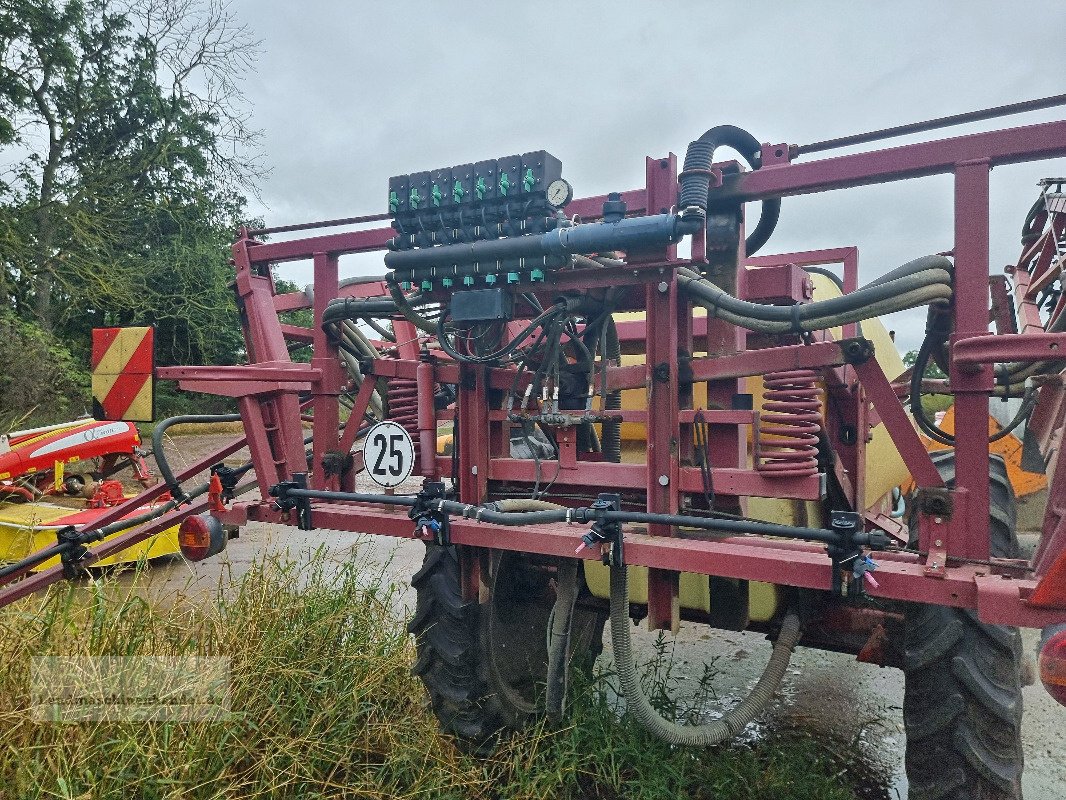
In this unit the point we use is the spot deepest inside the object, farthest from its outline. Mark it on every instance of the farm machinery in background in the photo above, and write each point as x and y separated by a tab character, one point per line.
58	478
776	419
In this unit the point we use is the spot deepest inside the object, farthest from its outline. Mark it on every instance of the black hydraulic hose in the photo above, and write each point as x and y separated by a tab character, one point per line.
552	313
403	305
612	431
935	271
695	179
157	445
928	426
913	267
826	273
486	513
1029	235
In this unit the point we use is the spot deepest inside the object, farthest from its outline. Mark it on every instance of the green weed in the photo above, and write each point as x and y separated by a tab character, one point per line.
324	706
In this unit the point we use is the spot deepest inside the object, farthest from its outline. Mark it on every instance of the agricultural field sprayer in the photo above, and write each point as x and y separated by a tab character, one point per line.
492	384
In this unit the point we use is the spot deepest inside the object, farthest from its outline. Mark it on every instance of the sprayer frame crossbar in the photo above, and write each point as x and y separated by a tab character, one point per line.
268	391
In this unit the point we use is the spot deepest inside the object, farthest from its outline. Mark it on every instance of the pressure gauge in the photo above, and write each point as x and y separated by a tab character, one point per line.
559	193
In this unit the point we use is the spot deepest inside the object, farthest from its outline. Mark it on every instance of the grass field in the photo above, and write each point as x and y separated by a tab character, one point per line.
323	705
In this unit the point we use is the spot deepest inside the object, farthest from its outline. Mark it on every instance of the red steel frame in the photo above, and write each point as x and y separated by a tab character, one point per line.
954	566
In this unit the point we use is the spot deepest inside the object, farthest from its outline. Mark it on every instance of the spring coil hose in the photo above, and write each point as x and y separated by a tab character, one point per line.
789	424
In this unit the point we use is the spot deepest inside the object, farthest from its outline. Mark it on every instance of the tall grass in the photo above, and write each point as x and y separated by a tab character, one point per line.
324	706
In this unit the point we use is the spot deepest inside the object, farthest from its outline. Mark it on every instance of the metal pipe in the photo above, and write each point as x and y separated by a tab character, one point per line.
634	233
929	125
329	223
427	420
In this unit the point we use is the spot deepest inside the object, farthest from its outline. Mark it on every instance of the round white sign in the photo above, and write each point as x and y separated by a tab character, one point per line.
389	454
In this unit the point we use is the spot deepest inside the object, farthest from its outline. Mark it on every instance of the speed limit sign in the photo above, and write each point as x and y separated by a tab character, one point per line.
389	454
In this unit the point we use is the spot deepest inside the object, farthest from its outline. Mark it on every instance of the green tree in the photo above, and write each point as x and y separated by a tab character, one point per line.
128	157
930	402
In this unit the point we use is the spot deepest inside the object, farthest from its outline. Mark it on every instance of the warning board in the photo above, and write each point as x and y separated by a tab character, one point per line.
123	361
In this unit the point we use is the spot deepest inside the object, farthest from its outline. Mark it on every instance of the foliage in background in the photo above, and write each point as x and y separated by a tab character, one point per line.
40	381
126	155
303	317
932	403
324	706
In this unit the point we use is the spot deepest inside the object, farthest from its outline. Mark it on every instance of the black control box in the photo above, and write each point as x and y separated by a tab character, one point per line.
482	305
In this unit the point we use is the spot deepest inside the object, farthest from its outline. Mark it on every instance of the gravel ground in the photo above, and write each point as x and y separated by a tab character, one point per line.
823	691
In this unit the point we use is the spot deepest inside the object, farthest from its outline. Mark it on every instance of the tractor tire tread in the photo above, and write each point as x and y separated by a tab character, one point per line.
962	700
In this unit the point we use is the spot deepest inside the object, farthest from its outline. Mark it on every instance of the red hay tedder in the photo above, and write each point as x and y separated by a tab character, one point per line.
776	427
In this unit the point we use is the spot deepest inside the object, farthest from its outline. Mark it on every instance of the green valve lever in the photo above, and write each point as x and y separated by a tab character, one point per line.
435	195
405	285
394	203
458	192
536	275
427	286
528	181
447	283
468	280
416	198
480	188
512	277
490	279
505	183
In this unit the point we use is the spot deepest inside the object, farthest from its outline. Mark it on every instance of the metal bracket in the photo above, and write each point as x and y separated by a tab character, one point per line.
844	555
857	350
606	531
227	478
429	515
335	462
302	505
71	558
935	502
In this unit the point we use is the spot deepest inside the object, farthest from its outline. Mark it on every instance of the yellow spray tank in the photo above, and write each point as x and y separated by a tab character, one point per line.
885	471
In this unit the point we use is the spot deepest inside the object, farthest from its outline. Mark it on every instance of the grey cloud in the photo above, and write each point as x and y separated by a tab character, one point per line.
350	93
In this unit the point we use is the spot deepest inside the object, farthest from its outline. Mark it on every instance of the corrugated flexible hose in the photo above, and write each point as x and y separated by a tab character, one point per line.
714	732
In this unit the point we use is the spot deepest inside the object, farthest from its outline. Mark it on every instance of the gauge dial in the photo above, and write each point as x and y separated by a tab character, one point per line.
559	193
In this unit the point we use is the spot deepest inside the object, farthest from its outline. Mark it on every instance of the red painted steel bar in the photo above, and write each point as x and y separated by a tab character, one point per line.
327	387
971	388
983	350
749	558
1006	146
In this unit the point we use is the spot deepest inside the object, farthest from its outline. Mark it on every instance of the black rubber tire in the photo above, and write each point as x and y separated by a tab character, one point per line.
483	665
962	702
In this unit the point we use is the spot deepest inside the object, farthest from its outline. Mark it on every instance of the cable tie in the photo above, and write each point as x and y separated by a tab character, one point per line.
569	511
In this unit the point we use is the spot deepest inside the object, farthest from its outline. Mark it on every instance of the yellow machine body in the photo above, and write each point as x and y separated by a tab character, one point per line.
28	527
885	471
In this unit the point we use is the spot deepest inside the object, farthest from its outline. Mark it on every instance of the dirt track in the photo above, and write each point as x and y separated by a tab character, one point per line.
865	706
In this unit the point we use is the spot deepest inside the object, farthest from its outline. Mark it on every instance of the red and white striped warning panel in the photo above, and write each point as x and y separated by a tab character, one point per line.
123	361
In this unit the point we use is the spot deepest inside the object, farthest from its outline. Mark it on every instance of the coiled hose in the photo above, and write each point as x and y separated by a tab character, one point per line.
714	732
695	179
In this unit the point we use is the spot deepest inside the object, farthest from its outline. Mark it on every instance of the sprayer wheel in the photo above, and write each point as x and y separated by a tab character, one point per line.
962	704
484	665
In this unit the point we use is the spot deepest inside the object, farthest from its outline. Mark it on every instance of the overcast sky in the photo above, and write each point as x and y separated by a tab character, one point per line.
350	93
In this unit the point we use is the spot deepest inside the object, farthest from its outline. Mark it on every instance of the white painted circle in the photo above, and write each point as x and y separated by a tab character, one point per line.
389	454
